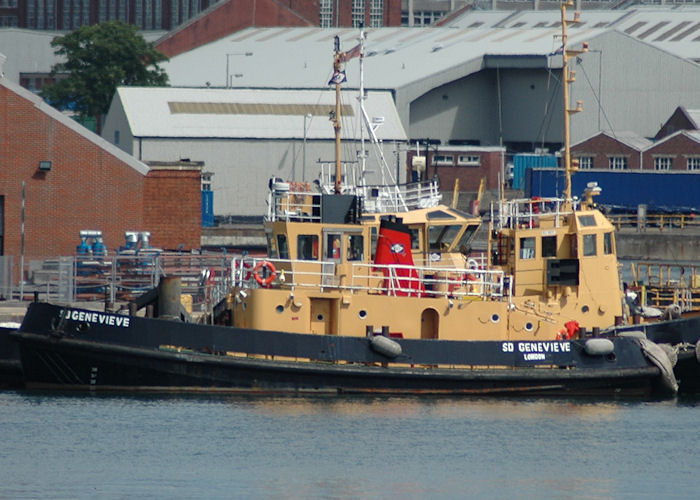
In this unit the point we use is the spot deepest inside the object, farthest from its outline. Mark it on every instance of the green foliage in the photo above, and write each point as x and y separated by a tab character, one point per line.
98	59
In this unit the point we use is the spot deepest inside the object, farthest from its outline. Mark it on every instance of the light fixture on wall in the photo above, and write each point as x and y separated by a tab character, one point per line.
44	166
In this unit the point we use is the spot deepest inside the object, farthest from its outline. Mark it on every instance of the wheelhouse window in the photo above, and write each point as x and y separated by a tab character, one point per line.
282	246
527	248
355	247
549	246
415	238
586	220
663	163
440	238
617	162
608	243
307	247
333	246
589	247
465	240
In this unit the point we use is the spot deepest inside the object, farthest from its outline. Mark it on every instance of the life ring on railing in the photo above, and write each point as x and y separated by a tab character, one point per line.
270	269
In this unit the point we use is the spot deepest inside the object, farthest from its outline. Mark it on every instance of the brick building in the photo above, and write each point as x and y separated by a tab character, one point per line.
58	178
230	16
681	119
679	151
469	164
608	150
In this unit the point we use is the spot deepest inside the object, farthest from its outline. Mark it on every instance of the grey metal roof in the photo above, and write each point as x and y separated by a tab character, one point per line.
629	138
246	113
395	57
673	29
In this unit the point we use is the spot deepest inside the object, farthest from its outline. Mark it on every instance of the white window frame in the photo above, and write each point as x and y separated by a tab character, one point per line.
618	162
326	14
444	160
693	163
470	160
585	162
663	163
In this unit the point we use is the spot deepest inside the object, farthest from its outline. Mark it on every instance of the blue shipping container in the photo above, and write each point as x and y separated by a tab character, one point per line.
623	190
523	162
207	208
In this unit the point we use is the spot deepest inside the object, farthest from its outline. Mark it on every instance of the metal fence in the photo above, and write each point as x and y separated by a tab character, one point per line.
117	278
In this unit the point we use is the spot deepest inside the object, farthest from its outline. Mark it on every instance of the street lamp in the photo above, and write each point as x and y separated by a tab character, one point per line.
228	57
307	116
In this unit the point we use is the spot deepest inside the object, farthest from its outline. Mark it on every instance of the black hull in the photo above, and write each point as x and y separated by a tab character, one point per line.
683	332
60	348
11	375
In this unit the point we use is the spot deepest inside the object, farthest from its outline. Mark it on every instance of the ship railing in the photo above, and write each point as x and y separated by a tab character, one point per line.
394	280
524	213
296	201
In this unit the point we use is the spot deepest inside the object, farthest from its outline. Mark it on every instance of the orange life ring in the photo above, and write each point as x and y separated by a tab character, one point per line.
270	269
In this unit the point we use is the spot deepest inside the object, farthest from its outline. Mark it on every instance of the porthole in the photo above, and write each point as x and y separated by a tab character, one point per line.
279	309
585	309
82	327
529	326
362	314
319	317
495	318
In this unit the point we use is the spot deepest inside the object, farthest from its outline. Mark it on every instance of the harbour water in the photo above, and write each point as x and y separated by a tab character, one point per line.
204	446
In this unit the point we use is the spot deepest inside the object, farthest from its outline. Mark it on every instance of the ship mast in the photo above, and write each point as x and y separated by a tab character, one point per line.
337	77
568	78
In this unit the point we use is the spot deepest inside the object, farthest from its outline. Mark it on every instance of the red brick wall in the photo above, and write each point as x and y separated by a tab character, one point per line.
230	17
601	147
172	208
469	177
86	187
678	147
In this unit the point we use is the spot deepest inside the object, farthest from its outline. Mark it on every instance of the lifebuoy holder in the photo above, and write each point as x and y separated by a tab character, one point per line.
260	268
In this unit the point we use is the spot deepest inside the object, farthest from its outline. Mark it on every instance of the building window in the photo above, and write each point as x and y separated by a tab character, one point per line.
326	14
116	138
585	162
376	13
469	161
694	163
663	163
358	13
618	162
443	160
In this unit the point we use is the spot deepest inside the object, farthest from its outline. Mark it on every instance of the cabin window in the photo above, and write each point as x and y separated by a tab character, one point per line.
307	247
465	241
527	248
607	243
355	247
374	239
549	246
333	246
589	248
282	246
586	220
415	238
441	237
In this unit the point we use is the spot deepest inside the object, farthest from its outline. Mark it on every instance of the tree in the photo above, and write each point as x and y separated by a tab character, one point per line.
98	59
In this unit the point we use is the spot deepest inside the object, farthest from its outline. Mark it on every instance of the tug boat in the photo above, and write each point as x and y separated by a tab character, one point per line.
372	289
